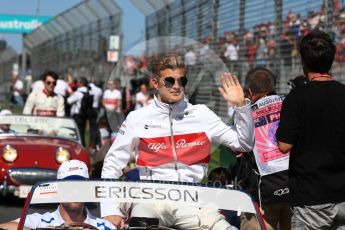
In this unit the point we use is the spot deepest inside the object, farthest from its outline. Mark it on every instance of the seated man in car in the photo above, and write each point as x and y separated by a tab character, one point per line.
66	213
5	128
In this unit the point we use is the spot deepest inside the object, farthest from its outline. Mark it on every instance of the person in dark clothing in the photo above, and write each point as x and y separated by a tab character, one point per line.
75	100
126	97
297	82
312	128
219	177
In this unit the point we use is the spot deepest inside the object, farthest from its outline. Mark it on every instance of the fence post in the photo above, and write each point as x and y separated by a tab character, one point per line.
329	6
278	66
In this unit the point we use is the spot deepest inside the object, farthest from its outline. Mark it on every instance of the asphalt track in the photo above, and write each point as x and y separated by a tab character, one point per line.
10	208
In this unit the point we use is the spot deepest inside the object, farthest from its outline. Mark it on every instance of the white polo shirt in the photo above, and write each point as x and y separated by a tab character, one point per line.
62	88
96	92
19	85
75	99
112	100
37	220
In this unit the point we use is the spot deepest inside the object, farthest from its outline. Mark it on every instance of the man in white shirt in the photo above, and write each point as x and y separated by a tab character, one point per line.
142	98
96	93
231	53
172	139
5	128
45	102
62	88
112	103
190	57
17	89
66	213
112	98
204	51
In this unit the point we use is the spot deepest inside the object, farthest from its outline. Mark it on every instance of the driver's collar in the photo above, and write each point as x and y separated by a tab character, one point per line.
175	108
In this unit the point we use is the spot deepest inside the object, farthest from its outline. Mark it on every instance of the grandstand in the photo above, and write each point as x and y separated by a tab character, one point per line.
257	32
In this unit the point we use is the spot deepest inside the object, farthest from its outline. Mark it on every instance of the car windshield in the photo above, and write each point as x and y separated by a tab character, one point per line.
235	206
39	125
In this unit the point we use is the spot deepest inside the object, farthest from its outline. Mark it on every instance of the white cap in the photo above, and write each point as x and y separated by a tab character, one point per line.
72	169
5	112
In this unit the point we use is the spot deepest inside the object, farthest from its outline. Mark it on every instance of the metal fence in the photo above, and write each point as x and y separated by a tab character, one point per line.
263	32
259	33
8	57
242	33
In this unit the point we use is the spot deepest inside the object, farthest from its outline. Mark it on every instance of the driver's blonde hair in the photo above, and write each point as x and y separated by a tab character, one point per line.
166	62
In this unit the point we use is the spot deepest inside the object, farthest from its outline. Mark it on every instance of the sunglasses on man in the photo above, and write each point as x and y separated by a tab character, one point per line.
51	82
169	82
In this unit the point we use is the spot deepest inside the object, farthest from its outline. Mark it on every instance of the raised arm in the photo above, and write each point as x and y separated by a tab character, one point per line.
231	90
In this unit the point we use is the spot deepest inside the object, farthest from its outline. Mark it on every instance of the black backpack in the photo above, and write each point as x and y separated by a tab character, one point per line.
86	110
246	172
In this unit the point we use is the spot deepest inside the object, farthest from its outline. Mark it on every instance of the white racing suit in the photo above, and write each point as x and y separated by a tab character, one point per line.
191	128
39	103
53	219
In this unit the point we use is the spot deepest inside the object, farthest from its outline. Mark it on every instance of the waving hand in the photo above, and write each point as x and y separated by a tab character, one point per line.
231	90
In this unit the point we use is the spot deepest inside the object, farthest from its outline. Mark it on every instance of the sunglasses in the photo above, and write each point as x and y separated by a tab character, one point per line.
169	82
51	82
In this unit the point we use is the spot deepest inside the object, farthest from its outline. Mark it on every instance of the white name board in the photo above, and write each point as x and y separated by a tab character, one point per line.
142	192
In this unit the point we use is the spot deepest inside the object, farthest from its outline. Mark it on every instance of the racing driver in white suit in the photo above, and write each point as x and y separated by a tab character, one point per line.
172	139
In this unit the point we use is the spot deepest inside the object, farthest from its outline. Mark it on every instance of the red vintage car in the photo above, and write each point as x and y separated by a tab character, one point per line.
33	147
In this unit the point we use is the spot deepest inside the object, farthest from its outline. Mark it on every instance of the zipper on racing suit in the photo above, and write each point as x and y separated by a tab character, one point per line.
173	142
